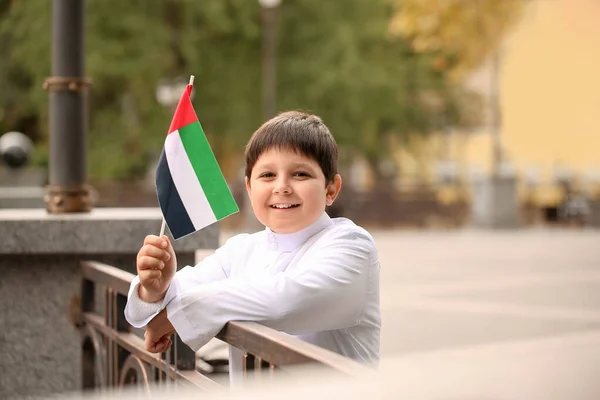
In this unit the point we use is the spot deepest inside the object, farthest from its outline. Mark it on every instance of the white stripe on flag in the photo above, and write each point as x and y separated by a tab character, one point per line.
190	191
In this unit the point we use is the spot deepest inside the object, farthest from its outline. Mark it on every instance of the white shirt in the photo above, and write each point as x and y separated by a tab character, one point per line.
320	284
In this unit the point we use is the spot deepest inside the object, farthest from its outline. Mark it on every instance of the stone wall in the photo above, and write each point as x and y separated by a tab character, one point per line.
39	262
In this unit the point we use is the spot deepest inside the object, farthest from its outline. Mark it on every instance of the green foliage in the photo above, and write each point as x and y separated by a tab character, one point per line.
365	84
334	58
24	49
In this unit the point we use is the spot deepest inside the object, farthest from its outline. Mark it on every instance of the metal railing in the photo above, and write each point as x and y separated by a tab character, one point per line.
113	353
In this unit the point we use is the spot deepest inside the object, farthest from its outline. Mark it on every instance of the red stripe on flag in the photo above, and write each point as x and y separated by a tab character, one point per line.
184	114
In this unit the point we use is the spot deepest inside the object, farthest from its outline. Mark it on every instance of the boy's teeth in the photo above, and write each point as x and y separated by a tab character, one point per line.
282	205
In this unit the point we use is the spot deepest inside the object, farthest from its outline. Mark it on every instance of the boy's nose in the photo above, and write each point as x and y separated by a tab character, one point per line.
282	187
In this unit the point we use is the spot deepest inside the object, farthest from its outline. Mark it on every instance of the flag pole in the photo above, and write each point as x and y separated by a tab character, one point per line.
162	227
164	222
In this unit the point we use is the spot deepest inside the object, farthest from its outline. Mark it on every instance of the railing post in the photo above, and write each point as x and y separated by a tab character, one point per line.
88	352
121	325
88	293
115	319
111	374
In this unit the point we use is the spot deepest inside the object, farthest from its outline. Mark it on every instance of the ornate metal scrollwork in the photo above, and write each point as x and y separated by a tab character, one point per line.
134	371
93	356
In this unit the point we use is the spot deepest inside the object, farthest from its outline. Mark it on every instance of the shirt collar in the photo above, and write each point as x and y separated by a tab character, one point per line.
291	241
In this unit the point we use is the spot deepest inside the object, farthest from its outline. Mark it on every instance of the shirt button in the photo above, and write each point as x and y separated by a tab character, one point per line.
274	246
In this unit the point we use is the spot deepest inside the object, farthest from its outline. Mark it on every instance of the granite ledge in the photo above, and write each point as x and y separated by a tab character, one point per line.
101	231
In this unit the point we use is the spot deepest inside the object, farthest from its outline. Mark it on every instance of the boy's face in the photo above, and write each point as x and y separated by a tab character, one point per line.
288	191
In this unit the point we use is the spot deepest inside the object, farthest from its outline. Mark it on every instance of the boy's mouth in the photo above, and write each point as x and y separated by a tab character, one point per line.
284	206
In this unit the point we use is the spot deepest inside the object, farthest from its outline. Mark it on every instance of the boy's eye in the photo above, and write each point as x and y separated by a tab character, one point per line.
267	175
301	173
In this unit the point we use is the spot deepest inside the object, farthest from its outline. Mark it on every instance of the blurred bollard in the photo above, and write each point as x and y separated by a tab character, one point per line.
15	149
20	187
495	203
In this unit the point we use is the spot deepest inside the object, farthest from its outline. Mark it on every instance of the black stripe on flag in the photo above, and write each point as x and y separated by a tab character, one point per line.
172	207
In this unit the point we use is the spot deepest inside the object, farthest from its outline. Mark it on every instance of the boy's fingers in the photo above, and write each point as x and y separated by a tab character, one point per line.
160	348
147	262
153	348
153	251
150	274
162	345
151	239
165	343
169	247
160	242
168	346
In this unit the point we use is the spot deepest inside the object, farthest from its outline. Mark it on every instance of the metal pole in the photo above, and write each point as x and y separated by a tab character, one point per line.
67	190
269	79
497	156
269	70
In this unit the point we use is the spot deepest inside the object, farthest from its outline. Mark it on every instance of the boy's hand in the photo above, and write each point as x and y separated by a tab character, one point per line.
156	266
158	332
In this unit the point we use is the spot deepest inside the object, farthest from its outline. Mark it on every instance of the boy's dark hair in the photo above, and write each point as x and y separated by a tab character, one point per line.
297	131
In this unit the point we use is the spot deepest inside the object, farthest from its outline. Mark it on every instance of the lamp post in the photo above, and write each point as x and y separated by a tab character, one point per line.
496	114
269	45
269	78
67	190
495	200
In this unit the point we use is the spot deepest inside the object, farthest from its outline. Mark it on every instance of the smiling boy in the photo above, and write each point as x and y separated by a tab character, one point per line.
306	274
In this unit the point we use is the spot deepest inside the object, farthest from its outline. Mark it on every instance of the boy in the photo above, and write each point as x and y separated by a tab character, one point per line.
306	274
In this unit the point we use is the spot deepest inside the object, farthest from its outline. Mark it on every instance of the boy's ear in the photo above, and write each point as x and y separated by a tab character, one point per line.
333	189
247	184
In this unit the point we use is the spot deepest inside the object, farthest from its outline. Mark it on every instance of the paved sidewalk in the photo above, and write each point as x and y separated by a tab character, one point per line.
513	314
445	290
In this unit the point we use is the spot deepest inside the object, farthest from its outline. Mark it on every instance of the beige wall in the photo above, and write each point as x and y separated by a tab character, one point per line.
550	90
549	93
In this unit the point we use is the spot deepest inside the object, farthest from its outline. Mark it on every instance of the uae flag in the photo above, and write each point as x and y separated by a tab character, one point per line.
191	189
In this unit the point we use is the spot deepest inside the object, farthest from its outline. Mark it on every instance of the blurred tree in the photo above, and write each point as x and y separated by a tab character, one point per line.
130	47
461	33
335	59
18	105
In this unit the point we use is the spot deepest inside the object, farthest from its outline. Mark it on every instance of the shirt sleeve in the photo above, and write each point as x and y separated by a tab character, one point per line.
327	292
213	268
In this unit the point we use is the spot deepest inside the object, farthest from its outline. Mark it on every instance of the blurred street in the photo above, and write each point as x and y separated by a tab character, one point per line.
444	290
510	313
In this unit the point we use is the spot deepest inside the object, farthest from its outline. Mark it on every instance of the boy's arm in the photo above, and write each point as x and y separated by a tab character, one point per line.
213	268
329	293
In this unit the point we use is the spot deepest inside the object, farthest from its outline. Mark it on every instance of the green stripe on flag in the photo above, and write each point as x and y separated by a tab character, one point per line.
207	170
